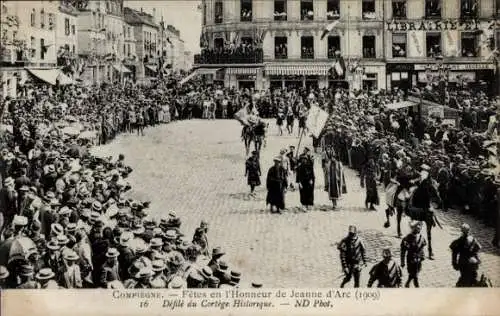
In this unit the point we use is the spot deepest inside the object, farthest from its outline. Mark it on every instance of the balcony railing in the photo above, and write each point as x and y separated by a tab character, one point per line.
228	57
307	54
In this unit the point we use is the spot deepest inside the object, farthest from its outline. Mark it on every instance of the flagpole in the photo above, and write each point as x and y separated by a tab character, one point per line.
300	140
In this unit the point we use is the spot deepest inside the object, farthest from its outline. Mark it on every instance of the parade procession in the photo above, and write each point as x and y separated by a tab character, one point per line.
261	163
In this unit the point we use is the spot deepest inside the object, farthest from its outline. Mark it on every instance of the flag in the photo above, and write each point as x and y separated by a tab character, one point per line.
339	68
316	120
168	40
242	116
329	28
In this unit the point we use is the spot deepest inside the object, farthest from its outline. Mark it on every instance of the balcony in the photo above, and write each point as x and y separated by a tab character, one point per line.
307	53
229	57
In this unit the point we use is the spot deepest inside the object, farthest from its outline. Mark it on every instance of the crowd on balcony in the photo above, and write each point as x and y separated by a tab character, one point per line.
280	16
246	15
307	15
333	14
307	52
281	51
229	53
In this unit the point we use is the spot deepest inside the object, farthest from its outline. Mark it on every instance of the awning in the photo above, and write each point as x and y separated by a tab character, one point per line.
400	105
121	68
47	75
152	68
297	69
242	71
64	80
207	71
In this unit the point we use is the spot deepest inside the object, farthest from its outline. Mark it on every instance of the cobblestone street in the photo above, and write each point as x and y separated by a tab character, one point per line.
197	169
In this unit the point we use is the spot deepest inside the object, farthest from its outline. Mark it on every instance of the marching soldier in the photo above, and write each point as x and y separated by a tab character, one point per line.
387	272
352	256
412	247
465	258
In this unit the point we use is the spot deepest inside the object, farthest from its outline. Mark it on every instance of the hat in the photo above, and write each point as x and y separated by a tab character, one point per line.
56	228
71	227
157	232
177	283
112	253
256	285
158	265
425	167
156	242
4	273
277	158
386	253
138	228
24	188
115	285
62	239
125	237
97	206
70	255
203	224
144	272
213	281
85	213
176	260
353	229
206	272
26	270
20	220
222	266
170	234
53	245
217	251
64	210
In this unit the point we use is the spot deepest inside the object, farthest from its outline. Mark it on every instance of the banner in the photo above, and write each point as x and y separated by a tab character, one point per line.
450	43
415	47
436	111
316	120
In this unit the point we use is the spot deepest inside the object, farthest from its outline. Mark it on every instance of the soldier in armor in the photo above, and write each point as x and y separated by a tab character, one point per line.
352	256
387	272
412	247
465	258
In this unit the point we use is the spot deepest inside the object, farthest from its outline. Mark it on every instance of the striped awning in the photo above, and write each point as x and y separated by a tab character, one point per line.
242	71
297	69
207	71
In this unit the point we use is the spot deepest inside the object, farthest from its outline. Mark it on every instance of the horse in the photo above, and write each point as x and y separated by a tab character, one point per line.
254	133
403	204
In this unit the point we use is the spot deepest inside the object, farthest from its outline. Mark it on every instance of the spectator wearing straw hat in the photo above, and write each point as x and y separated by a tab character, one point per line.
217	253
4	274
45	278
26	280
70	275
110	269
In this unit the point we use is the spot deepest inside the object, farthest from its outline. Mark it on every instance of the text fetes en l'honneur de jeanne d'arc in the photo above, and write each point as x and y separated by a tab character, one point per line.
243	299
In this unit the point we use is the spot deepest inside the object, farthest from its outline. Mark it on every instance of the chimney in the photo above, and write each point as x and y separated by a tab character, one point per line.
141	10
154	13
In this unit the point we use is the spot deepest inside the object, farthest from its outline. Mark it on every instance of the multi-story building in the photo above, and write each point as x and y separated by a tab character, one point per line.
29	45
146	36
67	38
188	61
115	40
288	48
91	36
130	56
431	36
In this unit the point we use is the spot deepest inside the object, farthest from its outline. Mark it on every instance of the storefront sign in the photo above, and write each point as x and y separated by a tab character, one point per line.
400	67
436	25
455	67
245	77
436	111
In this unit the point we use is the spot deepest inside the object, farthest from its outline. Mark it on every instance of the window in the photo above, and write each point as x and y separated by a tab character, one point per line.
306	10
432	8
73	29
280	47
33	47
280	10
399	9
51	21
333	46
469	45
73	49
204	13
368	9
66	26
219	11
369	46
433	44
307	47
33	17
42	49
333	9
468	8
398	45
42	19
246	10
218	43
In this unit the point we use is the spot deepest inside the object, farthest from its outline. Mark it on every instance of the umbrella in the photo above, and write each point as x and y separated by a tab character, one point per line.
87	135
71	131
16	248
71	118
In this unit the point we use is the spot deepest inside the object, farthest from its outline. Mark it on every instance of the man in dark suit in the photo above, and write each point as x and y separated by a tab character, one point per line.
276	186
306	179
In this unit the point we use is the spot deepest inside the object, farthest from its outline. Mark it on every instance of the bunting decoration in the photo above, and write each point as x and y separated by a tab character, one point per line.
329	28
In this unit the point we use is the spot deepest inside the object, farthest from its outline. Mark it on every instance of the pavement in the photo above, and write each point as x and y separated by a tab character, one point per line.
196	168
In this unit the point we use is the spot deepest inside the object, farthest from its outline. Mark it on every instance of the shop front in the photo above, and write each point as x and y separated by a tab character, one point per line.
296	76
401	76
241	78
473	76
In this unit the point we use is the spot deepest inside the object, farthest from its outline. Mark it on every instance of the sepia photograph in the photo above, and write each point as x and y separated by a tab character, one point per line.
246	145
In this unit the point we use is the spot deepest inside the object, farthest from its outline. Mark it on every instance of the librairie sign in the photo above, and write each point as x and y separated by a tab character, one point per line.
455	67
437	25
